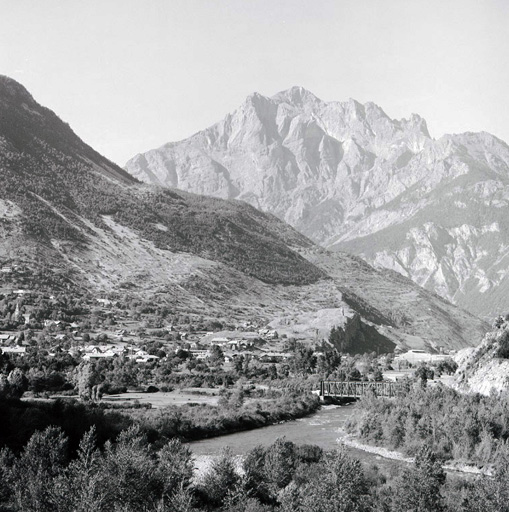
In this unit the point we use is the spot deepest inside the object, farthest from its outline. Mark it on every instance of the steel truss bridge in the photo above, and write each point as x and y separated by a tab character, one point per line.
330	388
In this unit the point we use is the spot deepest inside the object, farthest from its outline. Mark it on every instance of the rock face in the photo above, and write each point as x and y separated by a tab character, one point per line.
485	368
351	178
70	219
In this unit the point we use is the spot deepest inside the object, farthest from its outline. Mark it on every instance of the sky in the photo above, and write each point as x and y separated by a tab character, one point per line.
131	75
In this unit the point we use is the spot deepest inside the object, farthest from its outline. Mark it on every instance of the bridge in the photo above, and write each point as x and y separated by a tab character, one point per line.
337	389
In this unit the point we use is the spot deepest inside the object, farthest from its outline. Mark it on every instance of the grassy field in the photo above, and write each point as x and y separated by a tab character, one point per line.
161	399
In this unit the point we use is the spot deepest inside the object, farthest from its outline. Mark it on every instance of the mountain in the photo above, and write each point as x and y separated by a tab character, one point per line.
67	191
352	179
70	219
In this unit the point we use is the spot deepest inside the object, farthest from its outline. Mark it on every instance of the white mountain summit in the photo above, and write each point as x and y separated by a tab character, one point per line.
351	178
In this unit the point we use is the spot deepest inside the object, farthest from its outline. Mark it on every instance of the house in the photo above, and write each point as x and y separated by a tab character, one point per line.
49	323
146	359
138	354
220	341
269	334
273	357
99	355
6	338
200	354
13	350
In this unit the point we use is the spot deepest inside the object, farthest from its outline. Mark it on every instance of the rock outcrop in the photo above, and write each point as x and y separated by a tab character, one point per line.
485	368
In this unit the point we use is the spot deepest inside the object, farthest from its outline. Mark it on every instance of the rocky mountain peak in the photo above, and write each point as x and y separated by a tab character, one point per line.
417	124
350	177
296	96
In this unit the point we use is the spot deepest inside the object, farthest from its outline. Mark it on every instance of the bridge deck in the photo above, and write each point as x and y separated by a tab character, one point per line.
358	389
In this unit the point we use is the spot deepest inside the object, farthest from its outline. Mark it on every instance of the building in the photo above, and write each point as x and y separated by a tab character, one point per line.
13	350
416	356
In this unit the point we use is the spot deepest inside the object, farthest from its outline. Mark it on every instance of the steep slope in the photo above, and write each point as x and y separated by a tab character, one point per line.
485	368
402	310
71	219
351	178
61	185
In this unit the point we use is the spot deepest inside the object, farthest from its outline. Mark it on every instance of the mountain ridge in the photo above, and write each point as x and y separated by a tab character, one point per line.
343	172
71	219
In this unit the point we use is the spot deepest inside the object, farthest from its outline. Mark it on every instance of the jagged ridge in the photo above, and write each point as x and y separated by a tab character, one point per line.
351	178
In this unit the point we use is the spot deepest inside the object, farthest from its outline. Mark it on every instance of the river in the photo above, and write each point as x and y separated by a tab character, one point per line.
322	428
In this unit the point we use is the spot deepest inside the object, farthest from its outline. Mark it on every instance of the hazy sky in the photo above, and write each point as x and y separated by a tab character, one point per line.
130	75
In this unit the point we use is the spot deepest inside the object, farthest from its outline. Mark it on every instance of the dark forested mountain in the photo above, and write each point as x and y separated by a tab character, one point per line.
351	178
71	218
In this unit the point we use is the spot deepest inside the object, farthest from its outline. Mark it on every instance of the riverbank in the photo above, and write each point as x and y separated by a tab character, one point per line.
351	441
193	422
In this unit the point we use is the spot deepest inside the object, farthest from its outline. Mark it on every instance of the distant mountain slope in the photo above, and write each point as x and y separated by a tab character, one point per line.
61	184
70	218
351	178
404	311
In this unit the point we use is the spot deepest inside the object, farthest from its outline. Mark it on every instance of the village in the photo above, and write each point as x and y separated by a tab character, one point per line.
167	346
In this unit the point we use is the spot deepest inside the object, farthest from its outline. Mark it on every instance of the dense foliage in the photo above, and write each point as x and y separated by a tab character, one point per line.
457	426
133	475
189	421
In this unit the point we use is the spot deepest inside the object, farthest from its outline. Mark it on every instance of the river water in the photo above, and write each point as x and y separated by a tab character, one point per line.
322	428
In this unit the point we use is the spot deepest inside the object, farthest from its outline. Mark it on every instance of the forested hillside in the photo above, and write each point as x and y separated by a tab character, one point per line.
60	185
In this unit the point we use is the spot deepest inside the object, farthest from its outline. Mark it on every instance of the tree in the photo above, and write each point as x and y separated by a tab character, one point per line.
216	356
339	485
304	360
491	494
80	488
18	383
279	464
238	364
255	481
236	398
85	380
176	467
419	488
328	362
220	480
131	480
423	373
32	474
